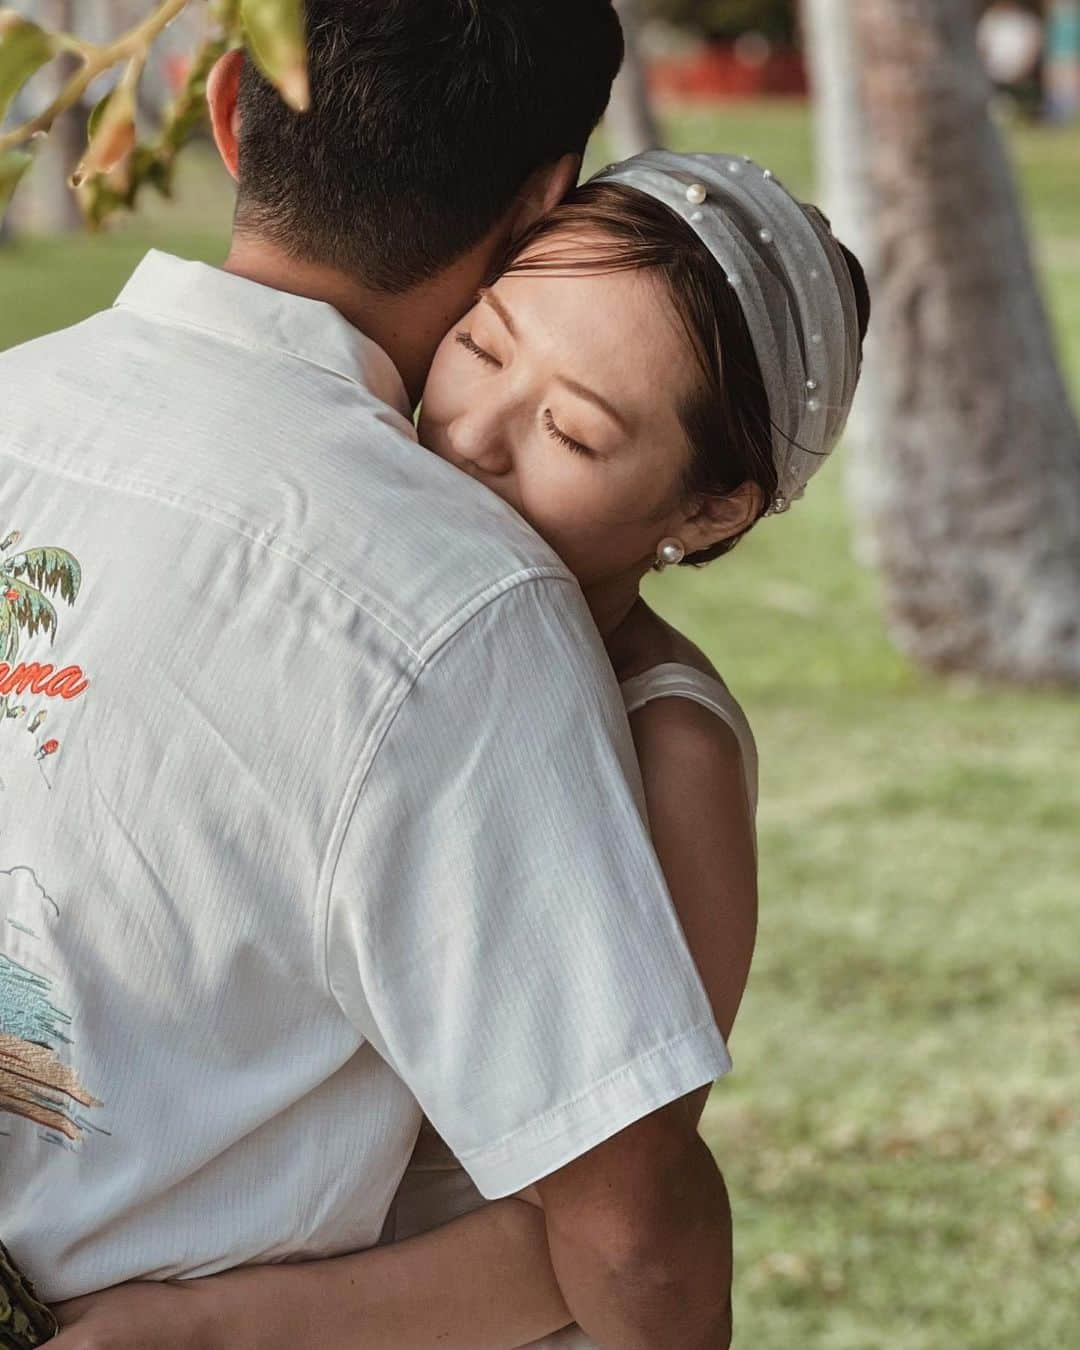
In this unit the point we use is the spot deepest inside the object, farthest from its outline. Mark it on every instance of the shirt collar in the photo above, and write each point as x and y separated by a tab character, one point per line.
197	295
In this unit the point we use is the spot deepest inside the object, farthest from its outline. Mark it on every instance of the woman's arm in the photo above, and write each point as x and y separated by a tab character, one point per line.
704	835
482	1282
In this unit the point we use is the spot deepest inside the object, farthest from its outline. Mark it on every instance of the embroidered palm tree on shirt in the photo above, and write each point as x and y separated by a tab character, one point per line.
35	1082
27	579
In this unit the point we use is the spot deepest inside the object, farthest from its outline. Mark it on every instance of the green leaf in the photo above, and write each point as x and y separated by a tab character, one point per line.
13	164
9	637
96	114
24	49
277	40
52	569
112	134
32	611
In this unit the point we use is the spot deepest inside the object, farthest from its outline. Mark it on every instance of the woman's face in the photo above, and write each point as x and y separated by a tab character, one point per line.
559	393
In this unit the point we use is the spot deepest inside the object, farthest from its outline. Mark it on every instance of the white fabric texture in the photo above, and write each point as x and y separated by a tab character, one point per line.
298	834
435	1188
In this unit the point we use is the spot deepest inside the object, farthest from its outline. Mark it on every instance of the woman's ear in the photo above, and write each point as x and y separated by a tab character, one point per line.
715	518
222	93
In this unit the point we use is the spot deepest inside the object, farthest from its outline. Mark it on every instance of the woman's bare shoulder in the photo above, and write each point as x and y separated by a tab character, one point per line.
690	737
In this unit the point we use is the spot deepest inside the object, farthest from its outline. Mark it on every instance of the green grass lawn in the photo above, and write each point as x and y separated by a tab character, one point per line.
900	1135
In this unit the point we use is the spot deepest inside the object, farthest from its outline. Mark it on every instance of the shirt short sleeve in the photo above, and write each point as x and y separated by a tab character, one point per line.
499	926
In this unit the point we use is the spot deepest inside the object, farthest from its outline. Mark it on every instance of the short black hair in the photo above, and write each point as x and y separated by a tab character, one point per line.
427	117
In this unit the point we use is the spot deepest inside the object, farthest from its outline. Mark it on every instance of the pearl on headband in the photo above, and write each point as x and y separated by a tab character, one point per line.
765	241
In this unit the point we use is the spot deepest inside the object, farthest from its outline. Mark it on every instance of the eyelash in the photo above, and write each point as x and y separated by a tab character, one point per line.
466	341
568	441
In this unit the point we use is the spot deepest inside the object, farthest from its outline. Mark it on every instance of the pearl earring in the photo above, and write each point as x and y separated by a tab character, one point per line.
670	551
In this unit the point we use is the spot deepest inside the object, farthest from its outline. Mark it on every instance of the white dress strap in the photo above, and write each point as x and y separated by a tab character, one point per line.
673	679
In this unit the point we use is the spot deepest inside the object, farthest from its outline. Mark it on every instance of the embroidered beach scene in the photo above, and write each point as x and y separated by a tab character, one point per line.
37	1080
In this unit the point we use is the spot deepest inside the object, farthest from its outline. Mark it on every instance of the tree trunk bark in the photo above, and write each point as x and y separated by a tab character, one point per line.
630	120
50	205
840	141
975	508
842	154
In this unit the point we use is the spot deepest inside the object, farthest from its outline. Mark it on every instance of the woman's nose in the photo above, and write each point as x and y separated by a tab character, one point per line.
482	443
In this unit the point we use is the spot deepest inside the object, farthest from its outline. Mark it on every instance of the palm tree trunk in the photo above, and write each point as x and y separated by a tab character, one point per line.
975	508
630	120
842	152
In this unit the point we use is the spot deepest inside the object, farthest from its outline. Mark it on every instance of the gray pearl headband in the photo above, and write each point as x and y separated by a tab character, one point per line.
793	285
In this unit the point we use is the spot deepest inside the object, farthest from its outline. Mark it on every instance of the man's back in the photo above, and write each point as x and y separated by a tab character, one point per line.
215	968
258	562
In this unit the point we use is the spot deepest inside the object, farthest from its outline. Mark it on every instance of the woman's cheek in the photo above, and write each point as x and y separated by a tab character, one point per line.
555	499
451	385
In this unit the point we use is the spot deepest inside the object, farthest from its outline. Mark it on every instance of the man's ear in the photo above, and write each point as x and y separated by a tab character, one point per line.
222	92
543	190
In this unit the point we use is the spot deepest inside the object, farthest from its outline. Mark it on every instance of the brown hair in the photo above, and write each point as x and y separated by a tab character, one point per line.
726	418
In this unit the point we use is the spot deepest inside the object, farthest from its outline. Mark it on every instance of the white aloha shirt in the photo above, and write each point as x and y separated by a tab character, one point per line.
325	814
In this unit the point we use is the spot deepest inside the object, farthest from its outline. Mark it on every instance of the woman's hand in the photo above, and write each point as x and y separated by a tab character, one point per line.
160	1315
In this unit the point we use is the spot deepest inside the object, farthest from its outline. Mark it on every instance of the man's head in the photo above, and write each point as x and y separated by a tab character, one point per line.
428	118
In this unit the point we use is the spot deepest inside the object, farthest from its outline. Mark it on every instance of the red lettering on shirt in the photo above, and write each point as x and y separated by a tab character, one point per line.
39	679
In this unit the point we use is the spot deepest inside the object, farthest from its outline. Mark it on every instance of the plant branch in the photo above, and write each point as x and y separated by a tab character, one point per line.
132	45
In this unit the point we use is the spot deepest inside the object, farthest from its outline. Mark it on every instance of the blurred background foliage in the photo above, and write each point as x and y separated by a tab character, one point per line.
724	20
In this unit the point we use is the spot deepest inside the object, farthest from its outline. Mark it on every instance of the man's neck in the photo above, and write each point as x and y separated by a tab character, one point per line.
614	605
408	327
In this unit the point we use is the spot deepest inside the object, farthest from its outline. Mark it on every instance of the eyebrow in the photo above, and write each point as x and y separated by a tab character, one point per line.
487	296
591	396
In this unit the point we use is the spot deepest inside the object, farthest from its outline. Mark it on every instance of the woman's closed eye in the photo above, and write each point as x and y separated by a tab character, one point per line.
466	341
566	440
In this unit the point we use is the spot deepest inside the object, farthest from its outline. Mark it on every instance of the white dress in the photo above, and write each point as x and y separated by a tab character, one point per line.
436	1188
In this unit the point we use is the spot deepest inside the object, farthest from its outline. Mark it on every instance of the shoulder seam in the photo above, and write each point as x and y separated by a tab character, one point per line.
367	755
471	608
304	561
